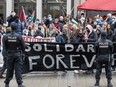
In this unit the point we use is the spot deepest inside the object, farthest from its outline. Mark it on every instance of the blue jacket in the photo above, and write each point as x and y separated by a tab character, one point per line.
20	28
60	39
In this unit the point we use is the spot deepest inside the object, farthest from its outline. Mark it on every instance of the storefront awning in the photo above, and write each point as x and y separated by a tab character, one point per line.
98	5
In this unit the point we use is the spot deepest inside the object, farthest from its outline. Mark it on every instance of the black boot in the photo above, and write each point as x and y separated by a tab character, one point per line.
97	83
109	84
6	85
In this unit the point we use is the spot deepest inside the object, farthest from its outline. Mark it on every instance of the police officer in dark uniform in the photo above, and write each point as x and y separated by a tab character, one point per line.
13	45
104	49
2	70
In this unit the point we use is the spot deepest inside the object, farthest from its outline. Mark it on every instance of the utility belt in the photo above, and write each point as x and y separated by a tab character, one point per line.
14	51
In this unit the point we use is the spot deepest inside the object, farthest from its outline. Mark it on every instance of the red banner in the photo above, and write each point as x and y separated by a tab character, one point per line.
32	39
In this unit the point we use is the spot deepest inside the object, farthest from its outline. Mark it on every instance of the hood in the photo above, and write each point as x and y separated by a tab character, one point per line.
90	28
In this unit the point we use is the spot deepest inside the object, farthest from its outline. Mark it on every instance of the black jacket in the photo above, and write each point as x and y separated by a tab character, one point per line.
13	41
104	49
114	36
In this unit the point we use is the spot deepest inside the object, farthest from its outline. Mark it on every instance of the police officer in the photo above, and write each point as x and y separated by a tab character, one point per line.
2	70
104	49
13	44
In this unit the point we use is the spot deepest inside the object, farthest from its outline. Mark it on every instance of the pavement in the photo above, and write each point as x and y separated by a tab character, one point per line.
60	79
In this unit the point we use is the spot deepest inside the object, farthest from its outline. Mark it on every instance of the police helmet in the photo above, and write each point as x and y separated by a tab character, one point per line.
13	25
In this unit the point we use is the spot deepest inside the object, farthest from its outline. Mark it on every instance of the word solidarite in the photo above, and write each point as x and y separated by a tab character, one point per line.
57	48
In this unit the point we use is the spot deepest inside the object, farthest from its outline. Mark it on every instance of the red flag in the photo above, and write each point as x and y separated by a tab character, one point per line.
22	15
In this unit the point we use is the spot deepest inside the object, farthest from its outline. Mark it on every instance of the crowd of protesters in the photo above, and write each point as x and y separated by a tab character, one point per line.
64	29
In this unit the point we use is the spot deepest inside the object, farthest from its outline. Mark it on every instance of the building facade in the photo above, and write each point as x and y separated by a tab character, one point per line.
42	7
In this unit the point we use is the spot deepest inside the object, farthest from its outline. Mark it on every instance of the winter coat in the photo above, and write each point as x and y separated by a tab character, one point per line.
114	36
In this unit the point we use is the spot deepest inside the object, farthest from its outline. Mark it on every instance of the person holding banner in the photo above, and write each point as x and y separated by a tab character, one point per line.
104	48
13	44
90	36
